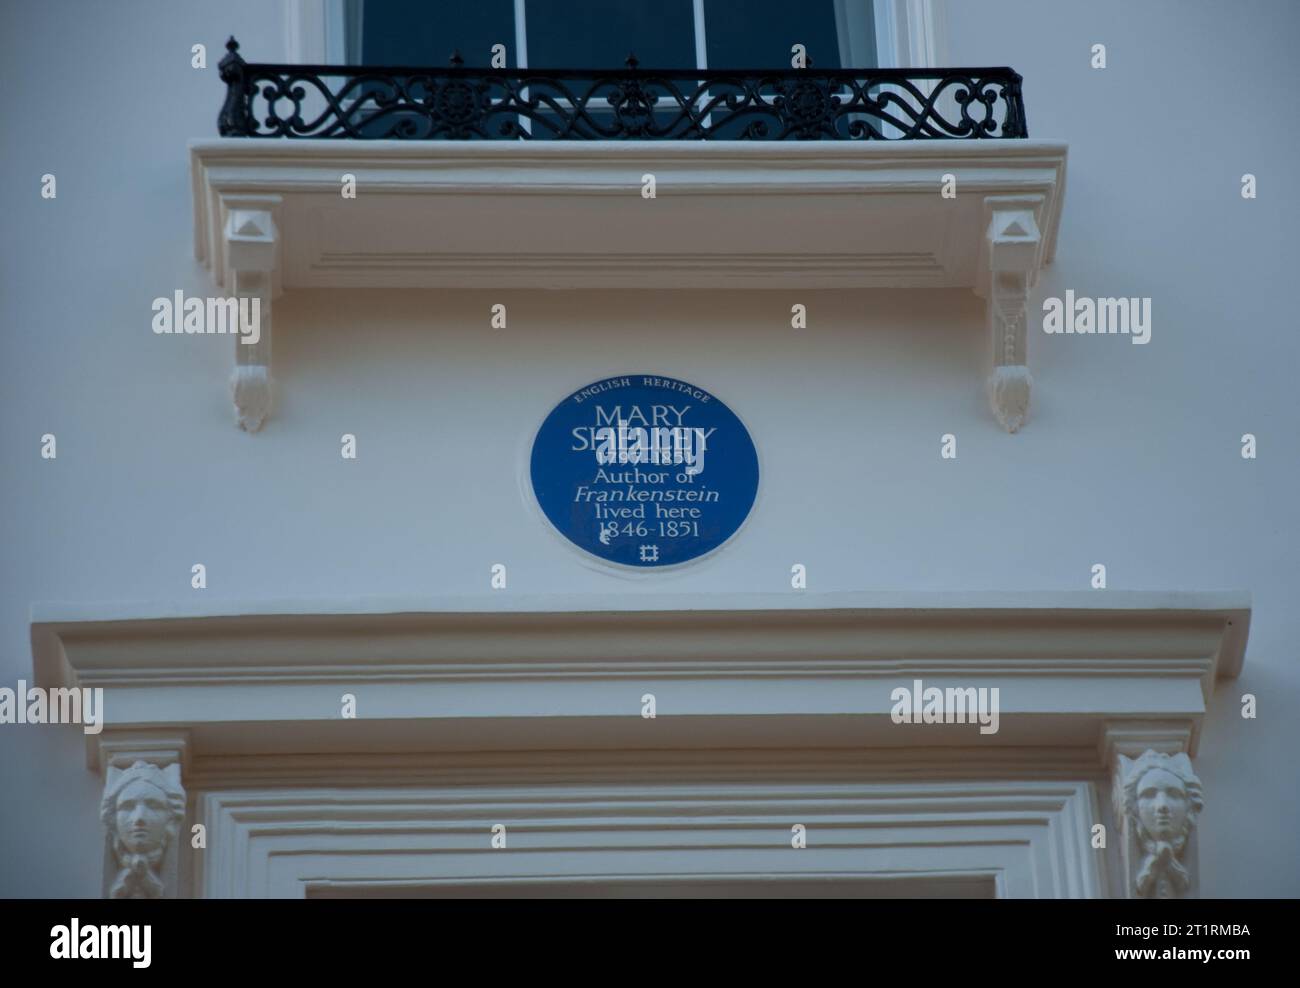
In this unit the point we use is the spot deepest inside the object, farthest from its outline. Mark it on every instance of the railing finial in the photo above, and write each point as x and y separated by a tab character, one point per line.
631	61
234	119
456	60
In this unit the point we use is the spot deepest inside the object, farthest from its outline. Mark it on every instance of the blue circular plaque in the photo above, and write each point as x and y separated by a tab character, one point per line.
644	470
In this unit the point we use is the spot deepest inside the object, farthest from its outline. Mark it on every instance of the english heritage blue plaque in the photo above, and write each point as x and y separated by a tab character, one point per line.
644	470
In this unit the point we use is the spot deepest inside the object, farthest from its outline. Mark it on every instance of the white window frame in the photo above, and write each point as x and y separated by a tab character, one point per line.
1003	838
911	34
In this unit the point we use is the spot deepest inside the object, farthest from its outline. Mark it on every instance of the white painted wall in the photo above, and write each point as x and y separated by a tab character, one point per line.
1130	458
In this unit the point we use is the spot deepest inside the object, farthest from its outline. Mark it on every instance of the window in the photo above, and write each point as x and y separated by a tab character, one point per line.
426	32
664	34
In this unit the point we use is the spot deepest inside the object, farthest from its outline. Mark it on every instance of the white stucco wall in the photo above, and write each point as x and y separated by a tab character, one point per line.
1131	457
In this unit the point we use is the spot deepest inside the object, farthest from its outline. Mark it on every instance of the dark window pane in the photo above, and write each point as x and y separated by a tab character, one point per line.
760	34
581	34
426	32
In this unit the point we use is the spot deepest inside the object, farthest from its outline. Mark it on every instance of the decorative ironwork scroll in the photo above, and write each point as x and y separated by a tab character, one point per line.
459	103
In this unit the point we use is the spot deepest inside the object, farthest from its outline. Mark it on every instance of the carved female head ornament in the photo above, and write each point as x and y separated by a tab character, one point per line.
142	809
1162	797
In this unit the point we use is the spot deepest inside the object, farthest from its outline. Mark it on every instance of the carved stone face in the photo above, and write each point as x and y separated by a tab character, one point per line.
142	815
1162	804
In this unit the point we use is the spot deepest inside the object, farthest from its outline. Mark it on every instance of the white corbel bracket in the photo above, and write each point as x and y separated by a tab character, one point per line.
1156	797
1010	258
143	810
251	264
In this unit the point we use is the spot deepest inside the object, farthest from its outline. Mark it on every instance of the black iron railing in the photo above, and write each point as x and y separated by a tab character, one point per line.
458	103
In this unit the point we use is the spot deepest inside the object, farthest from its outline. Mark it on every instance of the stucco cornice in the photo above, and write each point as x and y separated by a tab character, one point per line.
571	672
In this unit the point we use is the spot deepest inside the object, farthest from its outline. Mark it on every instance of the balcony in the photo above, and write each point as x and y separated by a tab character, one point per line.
794	180
632	103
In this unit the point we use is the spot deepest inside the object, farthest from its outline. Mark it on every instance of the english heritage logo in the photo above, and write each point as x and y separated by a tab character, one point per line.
644	470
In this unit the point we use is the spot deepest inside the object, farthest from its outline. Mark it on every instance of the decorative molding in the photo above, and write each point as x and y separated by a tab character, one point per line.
143	809
1162	798
1009	388
1012	254
251	260
1009	382
115	747
1157	799
1009	839
771	710
732	671
806	215
644	767
1131	739
884	198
